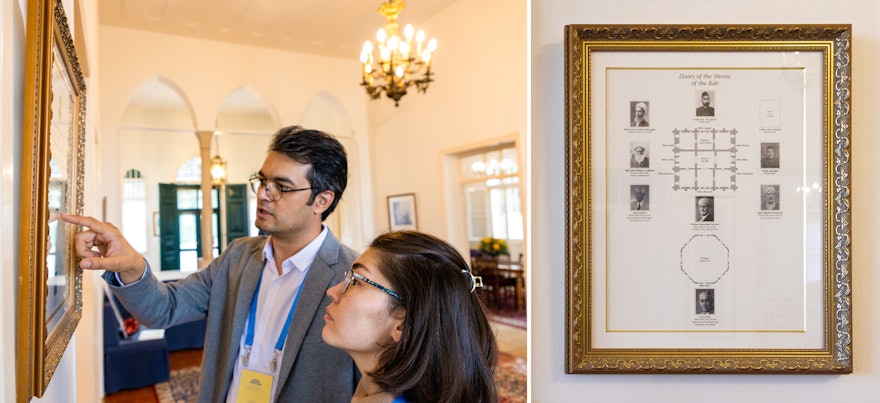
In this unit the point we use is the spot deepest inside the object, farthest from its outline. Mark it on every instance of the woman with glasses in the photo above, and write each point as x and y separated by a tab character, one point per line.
407	314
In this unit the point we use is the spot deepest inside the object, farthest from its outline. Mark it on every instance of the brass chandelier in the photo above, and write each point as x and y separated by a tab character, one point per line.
403	61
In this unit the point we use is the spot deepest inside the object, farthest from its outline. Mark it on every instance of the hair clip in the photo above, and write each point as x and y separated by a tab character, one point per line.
476	281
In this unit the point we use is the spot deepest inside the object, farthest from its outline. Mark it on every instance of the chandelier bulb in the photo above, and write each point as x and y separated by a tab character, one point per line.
393	42
432	44
426	55
404	49
386	54
380	35
420	36
399	72
408	32
368	47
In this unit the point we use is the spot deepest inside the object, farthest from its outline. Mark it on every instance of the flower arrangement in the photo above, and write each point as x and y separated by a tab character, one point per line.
493	246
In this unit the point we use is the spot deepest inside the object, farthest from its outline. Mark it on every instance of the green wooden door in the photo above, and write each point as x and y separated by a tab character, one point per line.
169	240
236	212
180	238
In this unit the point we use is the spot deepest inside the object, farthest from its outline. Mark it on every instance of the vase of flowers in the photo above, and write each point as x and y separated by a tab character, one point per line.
493	246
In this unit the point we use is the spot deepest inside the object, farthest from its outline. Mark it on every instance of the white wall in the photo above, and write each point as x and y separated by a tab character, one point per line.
548	380
479	94
12	41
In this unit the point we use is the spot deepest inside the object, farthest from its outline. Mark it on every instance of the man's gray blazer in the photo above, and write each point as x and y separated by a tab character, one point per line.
311	371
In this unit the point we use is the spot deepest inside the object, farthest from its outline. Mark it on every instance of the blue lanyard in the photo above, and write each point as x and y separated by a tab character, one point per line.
249	336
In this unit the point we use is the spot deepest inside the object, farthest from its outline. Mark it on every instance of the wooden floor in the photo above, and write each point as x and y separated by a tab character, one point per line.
511	340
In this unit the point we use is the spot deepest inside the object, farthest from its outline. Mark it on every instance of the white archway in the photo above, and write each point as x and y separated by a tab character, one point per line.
155	137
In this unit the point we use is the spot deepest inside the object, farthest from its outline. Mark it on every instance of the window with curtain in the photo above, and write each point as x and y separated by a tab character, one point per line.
134	210
491	187
252	210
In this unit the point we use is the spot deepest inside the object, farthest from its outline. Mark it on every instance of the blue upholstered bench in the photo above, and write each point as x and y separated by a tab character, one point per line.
134	363
185	336
131	363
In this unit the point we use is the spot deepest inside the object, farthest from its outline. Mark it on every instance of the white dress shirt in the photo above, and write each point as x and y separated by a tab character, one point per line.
275	298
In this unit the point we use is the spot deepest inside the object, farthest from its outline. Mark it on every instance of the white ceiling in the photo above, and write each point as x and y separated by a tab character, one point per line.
325	27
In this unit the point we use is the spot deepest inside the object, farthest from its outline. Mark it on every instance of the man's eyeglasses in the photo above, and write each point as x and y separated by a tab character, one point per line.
274	191
350	276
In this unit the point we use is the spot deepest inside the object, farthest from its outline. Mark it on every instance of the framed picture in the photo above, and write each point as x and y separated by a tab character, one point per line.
402	212
708	279
50	289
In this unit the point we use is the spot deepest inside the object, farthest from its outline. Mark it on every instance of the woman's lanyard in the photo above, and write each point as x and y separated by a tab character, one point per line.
249	337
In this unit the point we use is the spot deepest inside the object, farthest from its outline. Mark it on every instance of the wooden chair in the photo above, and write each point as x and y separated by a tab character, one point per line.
487	268
506	281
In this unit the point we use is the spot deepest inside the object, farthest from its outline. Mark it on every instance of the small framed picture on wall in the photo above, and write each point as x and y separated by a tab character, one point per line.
402	212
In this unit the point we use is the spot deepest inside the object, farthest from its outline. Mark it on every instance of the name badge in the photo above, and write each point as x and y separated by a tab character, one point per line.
255	387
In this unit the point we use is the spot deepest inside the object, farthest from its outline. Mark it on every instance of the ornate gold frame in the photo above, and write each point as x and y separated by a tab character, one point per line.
50	298
584	208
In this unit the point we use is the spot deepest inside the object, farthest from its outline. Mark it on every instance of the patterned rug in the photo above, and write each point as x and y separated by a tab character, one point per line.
510	379
183	387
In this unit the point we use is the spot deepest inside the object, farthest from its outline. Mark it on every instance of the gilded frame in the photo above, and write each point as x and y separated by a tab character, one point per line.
53	155
605	71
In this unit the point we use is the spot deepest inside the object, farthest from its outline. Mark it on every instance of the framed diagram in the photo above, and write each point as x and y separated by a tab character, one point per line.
741	262
50	289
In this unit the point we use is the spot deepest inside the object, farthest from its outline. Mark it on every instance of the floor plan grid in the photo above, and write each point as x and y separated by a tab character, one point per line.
705	159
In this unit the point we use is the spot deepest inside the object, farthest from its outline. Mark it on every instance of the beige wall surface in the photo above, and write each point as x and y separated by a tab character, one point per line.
548	380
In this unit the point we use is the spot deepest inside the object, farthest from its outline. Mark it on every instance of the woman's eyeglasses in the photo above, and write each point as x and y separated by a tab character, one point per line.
350	276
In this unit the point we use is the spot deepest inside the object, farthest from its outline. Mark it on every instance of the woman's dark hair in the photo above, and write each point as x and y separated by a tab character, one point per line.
325	154
447	350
